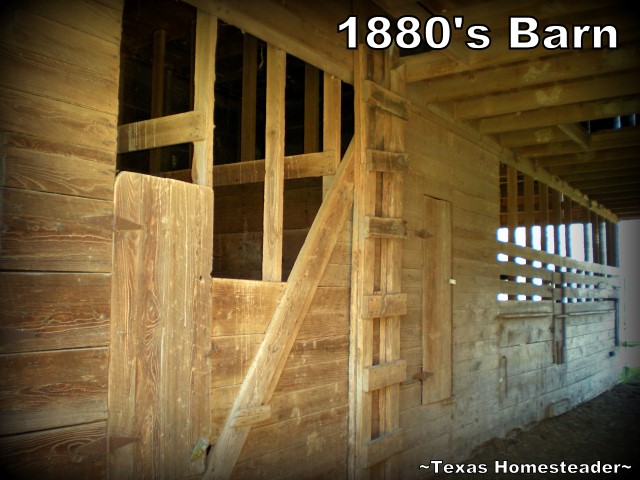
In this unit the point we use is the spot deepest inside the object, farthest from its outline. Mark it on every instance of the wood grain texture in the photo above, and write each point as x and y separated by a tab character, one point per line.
159	378
45	171
43	231
46	390
54	454
274	166
264	373
72	311
437	302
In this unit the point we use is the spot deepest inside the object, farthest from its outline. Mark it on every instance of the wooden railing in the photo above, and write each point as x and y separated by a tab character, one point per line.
535	275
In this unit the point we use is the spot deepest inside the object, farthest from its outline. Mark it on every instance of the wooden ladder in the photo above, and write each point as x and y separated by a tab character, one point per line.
377	304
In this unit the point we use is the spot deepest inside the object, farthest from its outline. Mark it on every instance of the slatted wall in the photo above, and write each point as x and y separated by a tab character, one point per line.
59	95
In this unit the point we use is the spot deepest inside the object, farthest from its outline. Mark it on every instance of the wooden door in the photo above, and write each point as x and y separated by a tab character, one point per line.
437	284
159	372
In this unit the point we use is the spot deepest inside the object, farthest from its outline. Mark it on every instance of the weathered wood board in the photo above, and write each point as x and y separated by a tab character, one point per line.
161	325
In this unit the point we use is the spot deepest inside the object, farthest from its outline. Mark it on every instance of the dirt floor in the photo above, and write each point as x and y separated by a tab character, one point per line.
605	429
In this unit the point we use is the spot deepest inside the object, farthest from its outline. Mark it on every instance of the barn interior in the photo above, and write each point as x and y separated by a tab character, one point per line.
233	247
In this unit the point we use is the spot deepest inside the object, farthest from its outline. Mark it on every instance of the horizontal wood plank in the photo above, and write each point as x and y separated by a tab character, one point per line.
72	310
384	305
52	389
56	453
161	132
43	231
384	375
383	447
379	227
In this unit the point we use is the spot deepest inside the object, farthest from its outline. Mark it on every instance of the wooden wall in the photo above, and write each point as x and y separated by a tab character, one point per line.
307	430
504	372
59	95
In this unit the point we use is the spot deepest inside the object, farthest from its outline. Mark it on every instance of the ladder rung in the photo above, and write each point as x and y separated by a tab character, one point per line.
385	99
249	416
383	375
379	306
380	227
383	161
382	448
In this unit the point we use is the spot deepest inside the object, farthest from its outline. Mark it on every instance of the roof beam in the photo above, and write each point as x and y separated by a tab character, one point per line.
593	167
584	158
545	117
576	133
597	88
571	66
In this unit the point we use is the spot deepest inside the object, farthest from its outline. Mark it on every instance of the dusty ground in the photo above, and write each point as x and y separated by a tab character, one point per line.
605	429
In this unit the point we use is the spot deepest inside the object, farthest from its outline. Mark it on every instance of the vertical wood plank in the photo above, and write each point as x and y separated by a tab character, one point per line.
157	92
543	201
274	166
204	79
436	303
512	202
556	220
588	239
362	279
595	236
332	122
568	219
392	207
612	244
249	90
159	374
528	209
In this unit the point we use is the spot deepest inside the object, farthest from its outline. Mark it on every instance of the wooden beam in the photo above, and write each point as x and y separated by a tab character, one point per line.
161	132
556	219
274	166
295	166
568	220
379	227
512	202
263	375
204	79
537	136
585	158
385	99
249	91
543	202
580	91
602	173
331	122
558	68
574	113
381	161
603	140
383	375
627	165
528	210
576	133
389	305
285	26
157	92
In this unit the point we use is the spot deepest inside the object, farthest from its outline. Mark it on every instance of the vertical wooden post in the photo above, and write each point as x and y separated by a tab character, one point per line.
311	109
543	201
204	79
512	202
556	220
157	93
568	219
528	209
588	239
595	229
274	166
332	122
612	244
249	87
